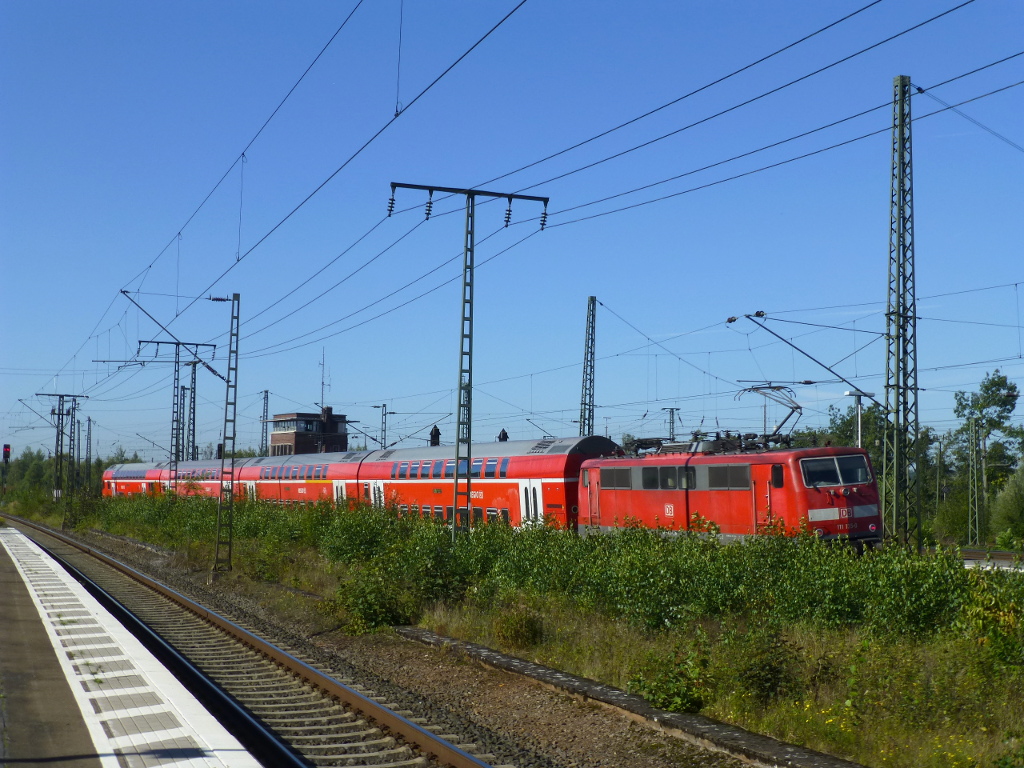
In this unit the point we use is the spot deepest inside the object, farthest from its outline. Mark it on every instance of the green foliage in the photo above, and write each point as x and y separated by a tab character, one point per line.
1008	510
910	595
773	667
677	683
519	627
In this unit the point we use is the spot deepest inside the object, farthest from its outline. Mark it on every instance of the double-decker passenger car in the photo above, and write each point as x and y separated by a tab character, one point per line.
829	491
519	482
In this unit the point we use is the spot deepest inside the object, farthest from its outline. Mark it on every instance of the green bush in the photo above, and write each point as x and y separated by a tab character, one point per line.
678	683
518	627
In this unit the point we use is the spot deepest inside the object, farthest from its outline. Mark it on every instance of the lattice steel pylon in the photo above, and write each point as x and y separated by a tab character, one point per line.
191	449
589	346
901	491
176	412
88	456
265	423
226	501
464	426
973	495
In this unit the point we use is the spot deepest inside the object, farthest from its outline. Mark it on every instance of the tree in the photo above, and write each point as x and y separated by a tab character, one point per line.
1008	507
991	408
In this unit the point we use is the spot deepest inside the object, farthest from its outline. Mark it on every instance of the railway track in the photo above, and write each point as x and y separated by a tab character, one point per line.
283	709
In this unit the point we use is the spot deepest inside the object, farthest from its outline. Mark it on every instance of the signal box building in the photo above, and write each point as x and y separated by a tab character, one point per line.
323	432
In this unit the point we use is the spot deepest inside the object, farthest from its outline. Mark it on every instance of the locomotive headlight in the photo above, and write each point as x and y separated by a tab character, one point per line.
872	527
846	491
819	531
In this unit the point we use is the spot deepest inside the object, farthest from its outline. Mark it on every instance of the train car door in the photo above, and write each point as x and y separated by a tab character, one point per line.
531	501
250	490
377	492
339	492
762	477
594	496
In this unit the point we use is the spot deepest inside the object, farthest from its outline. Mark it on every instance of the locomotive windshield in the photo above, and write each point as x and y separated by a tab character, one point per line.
835	470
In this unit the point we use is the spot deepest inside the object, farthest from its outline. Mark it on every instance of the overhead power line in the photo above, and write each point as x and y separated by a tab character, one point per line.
360	150
753	99
248	146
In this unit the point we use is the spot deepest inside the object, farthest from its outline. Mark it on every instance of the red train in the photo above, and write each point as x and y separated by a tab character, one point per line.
580	483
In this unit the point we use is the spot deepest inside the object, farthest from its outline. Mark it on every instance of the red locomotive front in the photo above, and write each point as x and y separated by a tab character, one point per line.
830	492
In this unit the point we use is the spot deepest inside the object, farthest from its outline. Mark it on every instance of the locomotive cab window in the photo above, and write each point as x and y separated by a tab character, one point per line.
853	470
778	476
841	470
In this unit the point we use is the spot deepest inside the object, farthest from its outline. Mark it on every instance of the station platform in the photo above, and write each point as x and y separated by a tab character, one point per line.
77	689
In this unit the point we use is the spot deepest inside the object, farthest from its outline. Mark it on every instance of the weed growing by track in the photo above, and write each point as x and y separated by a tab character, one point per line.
889	659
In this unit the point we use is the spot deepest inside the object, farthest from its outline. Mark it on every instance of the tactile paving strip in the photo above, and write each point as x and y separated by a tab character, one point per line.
137	713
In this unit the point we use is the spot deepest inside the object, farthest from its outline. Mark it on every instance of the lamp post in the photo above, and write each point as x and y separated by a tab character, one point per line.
857	394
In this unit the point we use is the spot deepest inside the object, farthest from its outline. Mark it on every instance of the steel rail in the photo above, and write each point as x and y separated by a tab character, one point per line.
426	742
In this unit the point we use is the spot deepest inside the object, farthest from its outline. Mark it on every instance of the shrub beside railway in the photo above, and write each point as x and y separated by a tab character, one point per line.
889	659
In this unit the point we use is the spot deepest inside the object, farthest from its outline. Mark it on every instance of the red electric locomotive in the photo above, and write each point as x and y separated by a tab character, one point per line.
829	491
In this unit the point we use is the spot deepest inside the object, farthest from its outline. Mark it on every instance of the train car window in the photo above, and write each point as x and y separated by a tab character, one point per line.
394	470
490	468
778	476
477	464
302	473
853	470
449	468
526	504
463	466
478	515
667	478
718	476
449	513
403	469
586	479
503	472
414	470
316	472
820	472
439	513
492	514
403	509
687	477
616	477
649	478
504	514
739	477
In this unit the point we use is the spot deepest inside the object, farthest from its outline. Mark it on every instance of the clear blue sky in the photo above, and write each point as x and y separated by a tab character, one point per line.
117	119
